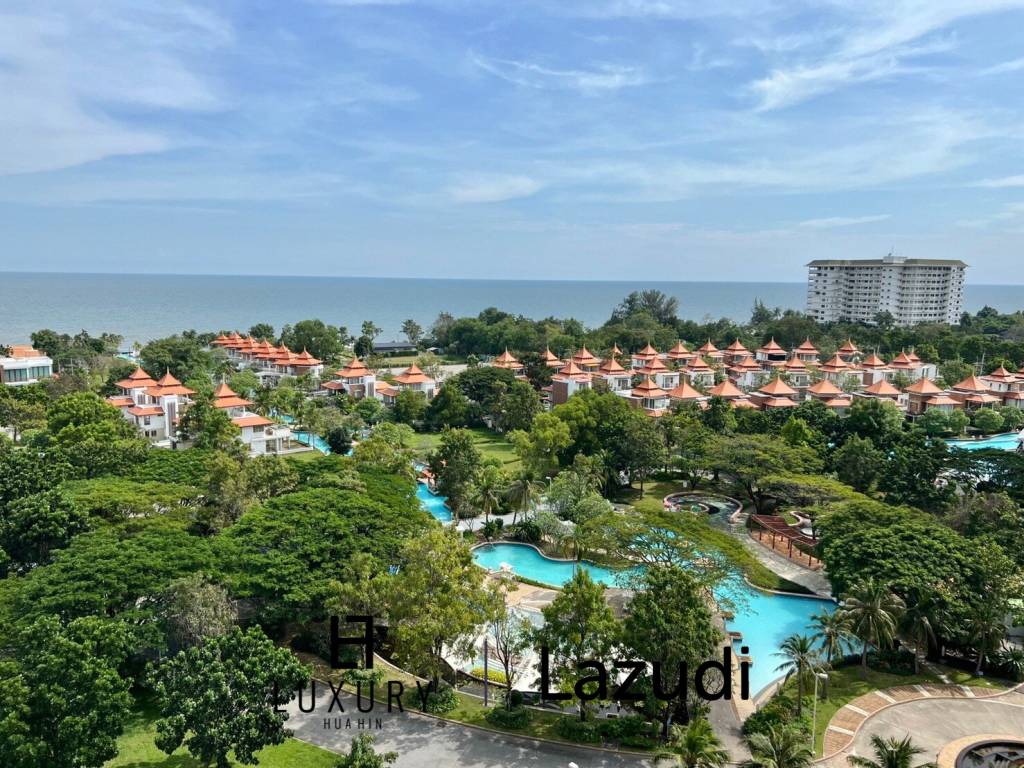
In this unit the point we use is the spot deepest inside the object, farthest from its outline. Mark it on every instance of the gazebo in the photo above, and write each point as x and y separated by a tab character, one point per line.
783	538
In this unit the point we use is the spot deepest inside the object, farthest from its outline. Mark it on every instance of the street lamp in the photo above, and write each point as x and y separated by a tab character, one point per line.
814	715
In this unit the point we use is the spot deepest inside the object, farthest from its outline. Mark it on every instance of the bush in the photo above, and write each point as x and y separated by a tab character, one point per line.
527	531
571	728
779	712
898	661
438	702
629	727
494	675
515	719
516	697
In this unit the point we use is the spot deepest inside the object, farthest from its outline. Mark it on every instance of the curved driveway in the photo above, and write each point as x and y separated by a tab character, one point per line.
423	742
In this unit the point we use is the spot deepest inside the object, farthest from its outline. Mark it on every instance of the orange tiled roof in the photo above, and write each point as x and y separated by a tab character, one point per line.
795	364
901	361
355	369
654	365
572	371
849	347
413	375
972	384
678	351
839	402
923	387
726	389
1000	373
835	364
707	348
777	387
771	346
252	420
882	388
873	361
550	358
506	360
225	397
824	388
137	379
685	392
778	402
807	347
736	347
697	365
648	389
146	410
121	401
941	400
610	366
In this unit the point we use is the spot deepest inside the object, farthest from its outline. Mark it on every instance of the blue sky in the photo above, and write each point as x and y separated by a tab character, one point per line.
597	139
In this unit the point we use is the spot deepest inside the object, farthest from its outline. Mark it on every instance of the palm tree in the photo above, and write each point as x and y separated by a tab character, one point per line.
917	627
523	494
985	631
890	753
698	746
873	612
486	491
1012	660
778	748
800	658
832	631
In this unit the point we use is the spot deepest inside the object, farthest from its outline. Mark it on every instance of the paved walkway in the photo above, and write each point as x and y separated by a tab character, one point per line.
933	714
425	742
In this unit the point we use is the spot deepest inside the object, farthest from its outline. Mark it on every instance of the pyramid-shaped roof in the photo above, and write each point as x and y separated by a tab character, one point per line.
583	357
1001	373
549	357
654	365
736	347
882	388
678	351
697	364
923	387
795	364
849	347
835	364
807	347
355	369
412	375
707	348
777	388
685	392
823	388
726	389
648	389
873	361
771	347
610	366
971	384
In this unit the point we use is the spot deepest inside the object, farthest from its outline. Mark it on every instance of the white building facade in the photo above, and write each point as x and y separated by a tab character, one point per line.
911	290
24	365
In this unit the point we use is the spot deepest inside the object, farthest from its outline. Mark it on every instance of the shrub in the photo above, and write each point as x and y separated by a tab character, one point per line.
527	531
494	675
438	702
629	727
515	719
898	661
516	697
778	712
572	728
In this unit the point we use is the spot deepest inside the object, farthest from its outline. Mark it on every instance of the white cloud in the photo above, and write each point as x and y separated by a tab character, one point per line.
1001	183
1007	66
1010	213
493	189
606	77
65	71
842	221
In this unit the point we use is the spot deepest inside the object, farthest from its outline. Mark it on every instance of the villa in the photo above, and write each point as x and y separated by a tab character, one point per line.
355	380
268	362
24	365
649	396
412	378
569	380
154	407
615	376
775	394
507	361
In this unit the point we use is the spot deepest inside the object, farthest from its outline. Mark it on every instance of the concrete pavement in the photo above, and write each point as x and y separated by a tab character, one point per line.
424	742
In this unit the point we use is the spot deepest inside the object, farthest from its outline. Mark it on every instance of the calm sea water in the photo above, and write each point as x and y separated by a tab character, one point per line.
143	307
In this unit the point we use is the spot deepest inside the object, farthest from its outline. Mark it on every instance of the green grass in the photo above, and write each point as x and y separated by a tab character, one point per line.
490	444
136	750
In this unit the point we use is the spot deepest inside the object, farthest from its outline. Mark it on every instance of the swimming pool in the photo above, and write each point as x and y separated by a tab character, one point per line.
433	503
1005	442
765	619
318	442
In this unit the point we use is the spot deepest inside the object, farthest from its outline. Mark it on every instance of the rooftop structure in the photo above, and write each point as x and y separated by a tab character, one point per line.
24	365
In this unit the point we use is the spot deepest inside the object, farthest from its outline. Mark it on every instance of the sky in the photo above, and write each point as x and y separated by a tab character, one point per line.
586	139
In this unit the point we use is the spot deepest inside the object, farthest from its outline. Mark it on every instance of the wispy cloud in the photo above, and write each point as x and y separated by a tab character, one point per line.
493	189
1008	213
842	221
1007	66
1001	183
605	77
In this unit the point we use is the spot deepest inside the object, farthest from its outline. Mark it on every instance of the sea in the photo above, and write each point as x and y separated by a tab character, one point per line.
144	307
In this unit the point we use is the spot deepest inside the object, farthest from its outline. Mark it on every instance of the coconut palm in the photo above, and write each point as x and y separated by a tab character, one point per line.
698	746
873	612
1012	660
779	747
917	627
523	494
832	631
801	658
486	491
985	632
890	753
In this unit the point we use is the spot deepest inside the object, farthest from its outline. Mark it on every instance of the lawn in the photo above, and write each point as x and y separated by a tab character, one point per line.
136	750
490	444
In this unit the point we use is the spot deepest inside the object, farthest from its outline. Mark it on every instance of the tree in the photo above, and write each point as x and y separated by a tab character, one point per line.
719	416
362	755
988	420
485	493
440	564
182	356
371	330
363	589
797	432
412	331
698	746
62	702
261	331
449	408
220	697
339	439
20	415
985	629
800	659
916	625
957	420
539	448
669	620
890	753
578	626
209	427
522	494
410	407
831	630
517	407
33	526
314	336
749	458
779	747
934	422
511	635
873	613
455	463
876	419
193	609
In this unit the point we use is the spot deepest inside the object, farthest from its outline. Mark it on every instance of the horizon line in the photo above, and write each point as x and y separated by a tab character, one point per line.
407	277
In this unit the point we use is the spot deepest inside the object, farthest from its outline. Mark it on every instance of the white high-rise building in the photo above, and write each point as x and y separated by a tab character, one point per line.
911	290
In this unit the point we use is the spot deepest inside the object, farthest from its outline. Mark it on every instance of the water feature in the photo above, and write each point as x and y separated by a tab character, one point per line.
708	502
1008	441
765	619
433	503
317	442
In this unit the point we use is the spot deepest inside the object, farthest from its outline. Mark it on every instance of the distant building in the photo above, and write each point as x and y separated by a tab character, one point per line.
911	290
25	365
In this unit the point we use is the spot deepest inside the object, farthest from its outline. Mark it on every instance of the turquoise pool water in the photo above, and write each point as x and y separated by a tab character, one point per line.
318	442
764	619
433	503
1005	442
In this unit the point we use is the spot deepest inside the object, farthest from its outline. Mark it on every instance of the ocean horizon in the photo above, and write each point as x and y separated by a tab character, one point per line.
141	307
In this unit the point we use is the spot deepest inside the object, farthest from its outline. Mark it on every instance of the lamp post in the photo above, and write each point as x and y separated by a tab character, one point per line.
814	714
